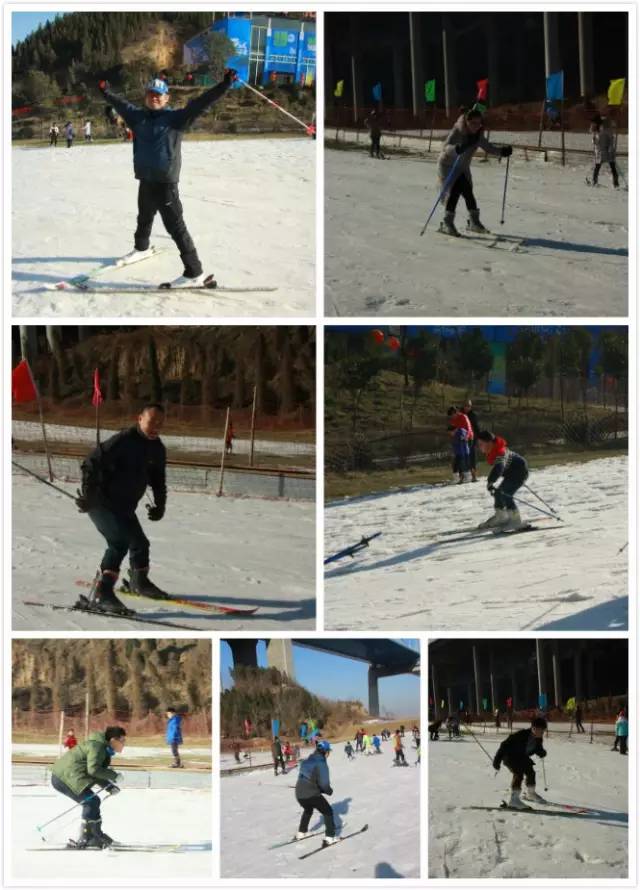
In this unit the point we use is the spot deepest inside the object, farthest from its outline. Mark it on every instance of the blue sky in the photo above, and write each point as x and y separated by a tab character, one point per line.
23	23
341	678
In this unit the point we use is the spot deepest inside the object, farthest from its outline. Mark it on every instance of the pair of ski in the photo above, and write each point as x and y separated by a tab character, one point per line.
488	239
342	838
122	848
126	590
86	282
471	534
568	808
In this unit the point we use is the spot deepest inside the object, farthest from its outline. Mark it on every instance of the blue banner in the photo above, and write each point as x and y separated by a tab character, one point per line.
377	92
542	701
275	728
239	32
555	86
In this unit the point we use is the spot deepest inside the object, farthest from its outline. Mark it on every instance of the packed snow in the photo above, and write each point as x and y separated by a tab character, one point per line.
232	551
249	205
566	251
176	816
390	848
471	837
432	566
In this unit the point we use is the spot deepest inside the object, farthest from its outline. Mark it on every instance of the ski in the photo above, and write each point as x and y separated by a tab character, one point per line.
123	848
78	282
362	544
474	528
295	840
505	533
209	284
329	846
125	590
488	239
59	608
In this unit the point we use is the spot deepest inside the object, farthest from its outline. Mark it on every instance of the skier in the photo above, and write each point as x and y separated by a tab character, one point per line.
82	767
278	759
434	730
475	429
69	134
466	137
376	742
509	467
54	131
622	732
87	131
114	478
348	750
313	782
496	717
158	132
358	739
604	148
70	741
174	735
578	717
515	752
398	747
373	123
461	437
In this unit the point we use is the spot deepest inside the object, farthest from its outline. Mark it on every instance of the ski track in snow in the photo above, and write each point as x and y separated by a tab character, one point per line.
235	551
567	577
468	843
574	260
389	849
249	206
173	816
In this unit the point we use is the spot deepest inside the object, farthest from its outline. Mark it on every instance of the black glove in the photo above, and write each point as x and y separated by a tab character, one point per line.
103	85
112	789
230	76
85	501
329	792
155	513
506	151
496	764
542	753
460	149
491	488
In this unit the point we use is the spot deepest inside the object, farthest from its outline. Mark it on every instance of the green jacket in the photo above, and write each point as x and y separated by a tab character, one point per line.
85	765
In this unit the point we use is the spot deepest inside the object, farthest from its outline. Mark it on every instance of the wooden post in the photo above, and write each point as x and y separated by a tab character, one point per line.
60	731
253	425
86	716
541	122
224	450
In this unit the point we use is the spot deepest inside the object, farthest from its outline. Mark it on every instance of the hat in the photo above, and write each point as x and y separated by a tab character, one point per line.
157	86
323	746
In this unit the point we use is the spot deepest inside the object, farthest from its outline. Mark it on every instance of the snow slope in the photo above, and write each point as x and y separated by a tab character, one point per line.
244	552
488	843
169	816
566	576
249	205
573	262
389	849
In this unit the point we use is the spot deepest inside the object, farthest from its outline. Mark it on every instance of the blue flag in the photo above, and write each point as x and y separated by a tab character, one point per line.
555	86
542	701
377	92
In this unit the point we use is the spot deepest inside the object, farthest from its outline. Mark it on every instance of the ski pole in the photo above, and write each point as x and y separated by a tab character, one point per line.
443	191
544	774
504	193
622	549
539	509
78	804
542	501
41	479
472	734
308	127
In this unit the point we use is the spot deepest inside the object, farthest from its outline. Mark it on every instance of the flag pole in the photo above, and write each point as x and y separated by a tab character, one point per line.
41	414
433	117
222	456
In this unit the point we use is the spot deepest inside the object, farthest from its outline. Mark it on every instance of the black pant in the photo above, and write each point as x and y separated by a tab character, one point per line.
521	768
514	478
123	534
175	750
53	139
612	167
623	744
463	187
472	454
90	802
400	756
579	726
279	762
375	145
321	804
163	198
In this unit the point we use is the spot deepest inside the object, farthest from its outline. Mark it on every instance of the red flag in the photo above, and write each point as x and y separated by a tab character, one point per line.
96	399
23	389
483	90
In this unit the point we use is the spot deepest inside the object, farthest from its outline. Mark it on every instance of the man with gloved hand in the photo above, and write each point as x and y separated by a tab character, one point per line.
77	772
314	781
516	752
115	477
466	137
158	131
509	471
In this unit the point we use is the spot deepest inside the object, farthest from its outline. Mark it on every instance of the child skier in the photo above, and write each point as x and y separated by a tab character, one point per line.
604	148
313	782
174	735
511	469
348	750
158	132
515	752
466	137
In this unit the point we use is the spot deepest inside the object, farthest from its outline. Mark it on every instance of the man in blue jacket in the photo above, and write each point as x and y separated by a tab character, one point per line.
313	782
158	132
174	736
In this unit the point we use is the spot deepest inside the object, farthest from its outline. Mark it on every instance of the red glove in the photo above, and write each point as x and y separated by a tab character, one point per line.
103	85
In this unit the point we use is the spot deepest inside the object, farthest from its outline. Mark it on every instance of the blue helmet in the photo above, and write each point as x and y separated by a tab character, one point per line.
323	746
157	86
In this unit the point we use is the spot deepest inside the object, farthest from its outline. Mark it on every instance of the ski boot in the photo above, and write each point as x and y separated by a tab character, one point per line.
530	793
100	836
498	520
139	583
182	281
103	599
514	521
474	224
329	840
301	835
447	226
515	802
135	256
87	839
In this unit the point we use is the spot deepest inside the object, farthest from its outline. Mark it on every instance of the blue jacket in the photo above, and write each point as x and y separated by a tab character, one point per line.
622	727
174	730
313	777
158	134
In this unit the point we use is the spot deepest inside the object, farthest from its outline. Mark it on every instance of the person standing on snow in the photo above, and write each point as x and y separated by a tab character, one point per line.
87	131
466	137
604	148
78	770
348	750
516	752
158	132
578	718
115	476
510	470
314	782
70	741
467	409
174	735
69	134
54	131
398	748
622	732
373	123
278	759
461	438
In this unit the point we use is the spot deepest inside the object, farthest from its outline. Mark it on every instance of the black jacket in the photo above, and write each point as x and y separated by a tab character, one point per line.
158	134
473	420
116	473
518	748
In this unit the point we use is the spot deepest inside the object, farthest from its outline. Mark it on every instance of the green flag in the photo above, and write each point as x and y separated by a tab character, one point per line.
430	90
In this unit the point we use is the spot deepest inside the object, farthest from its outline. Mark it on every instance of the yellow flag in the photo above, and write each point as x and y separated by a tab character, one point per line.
339	90
616	91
